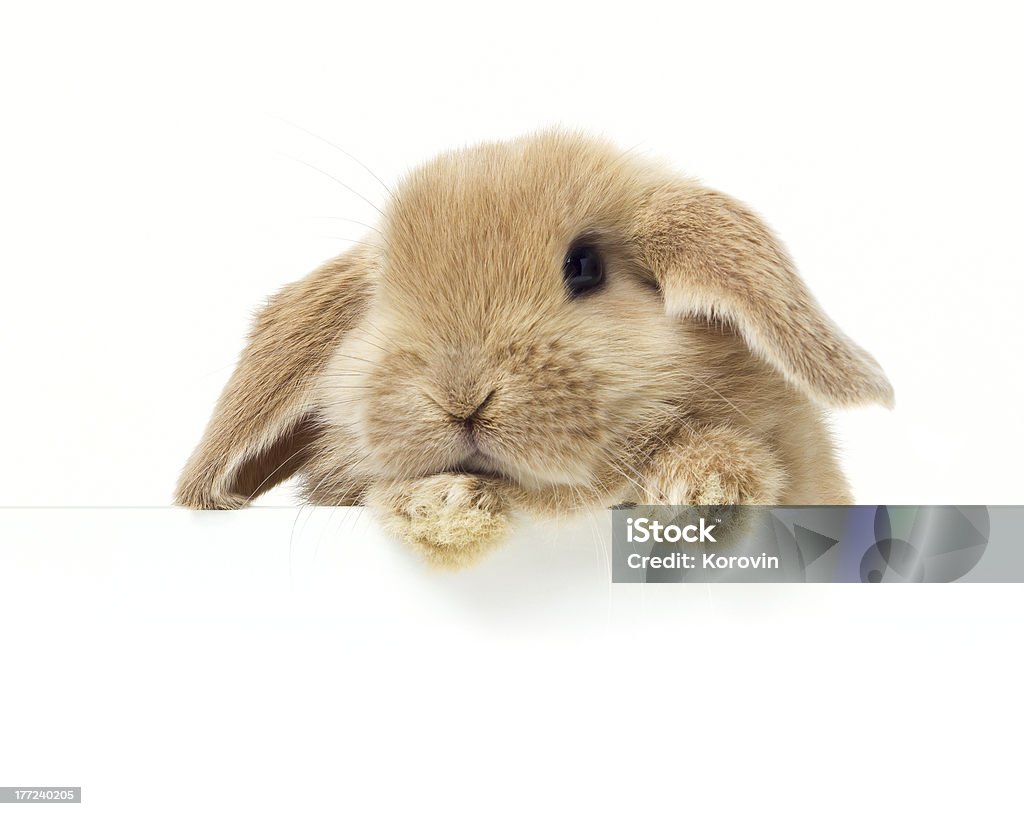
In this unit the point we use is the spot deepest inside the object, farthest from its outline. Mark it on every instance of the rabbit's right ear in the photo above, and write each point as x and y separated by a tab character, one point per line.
712	257
263	426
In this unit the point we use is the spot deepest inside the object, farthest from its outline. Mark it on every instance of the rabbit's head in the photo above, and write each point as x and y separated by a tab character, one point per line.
529	308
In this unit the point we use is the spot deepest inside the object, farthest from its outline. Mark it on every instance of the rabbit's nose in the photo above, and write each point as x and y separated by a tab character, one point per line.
466	411
461	386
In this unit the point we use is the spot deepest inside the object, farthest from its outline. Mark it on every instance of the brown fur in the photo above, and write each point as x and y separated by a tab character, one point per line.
695	375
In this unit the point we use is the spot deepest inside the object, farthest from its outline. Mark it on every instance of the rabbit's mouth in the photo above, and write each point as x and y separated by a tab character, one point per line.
478	463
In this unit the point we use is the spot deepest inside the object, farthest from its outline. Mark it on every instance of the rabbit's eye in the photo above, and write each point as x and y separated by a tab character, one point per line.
583	270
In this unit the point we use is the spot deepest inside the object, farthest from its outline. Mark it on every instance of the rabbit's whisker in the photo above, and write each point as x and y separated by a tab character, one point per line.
341	150
335	179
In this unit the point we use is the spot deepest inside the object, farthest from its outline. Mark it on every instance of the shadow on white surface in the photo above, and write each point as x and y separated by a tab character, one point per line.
549	574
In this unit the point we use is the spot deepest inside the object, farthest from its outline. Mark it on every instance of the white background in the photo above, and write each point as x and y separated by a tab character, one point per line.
155	187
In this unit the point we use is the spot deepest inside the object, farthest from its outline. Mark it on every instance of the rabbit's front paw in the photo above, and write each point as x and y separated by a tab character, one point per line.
715	467
452	518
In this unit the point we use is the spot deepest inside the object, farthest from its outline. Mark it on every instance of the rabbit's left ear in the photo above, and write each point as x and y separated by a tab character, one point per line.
713	258
264	427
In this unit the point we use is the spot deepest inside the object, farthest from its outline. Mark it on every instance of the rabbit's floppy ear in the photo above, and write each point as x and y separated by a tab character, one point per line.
713	258
263	426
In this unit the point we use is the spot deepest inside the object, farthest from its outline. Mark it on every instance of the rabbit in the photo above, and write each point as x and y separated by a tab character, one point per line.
541	325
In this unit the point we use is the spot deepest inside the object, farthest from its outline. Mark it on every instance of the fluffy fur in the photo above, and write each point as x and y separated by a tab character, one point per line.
697	374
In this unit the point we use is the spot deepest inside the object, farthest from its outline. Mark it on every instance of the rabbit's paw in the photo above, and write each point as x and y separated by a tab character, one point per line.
451	518
715	467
